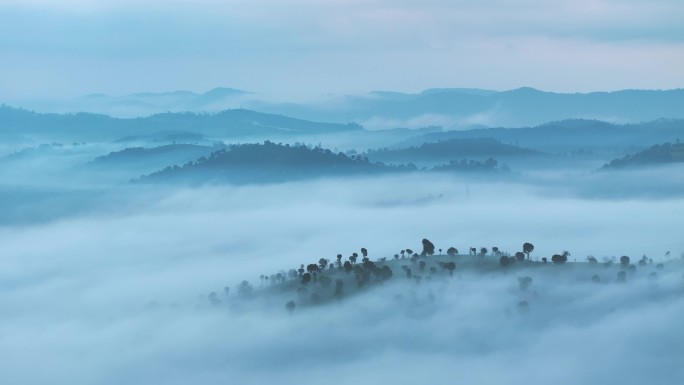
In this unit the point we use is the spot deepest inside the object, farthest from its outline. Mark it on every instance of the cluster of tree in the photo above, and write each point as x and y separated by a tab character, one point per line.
327	280
487	165
657	154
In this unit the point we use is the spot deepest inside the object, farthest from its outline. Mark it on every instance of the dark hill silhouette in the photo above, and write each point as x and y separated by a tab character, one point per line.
140	160
452	149
659	154
267	163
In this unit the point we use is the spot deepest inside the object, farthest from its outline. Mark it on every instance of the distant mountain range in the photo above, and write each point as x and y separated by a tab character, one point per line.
446	107
228	124
567	135
463	108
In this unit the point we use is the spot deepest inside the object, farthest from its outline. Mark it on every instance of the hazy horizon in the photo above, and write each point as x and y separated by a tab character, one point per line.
302	49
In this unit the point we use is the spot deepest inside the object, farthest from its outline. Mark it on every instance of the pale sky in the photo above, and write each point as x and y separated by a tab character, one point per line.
294	49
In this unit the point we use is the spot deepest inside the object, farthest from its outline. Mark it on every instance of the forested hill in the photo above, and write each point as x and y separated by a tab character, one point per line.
226	124
570	134
267	163
665	153
452	149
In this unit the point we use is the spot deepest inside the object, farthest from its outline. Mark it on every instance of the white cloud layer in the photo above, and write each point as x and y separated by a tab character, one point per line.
76	291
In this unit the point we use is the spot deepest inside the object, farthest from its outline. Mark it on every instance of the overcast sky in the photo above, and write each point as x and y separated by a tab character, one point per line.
306	48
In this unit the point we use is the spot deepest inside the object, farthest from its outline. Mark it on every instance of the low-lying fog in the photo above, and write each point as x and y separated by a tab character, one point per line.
115	290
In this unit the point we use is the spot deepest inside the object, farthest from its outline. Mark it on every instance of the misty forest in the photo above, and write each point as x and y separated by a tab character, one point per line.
248	246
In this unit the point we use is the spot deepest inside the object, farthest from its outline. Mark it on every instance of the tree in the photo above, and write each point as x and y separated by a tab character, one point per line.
402	253
483	251
624	260
473	251
339	288
312	268
452	251
520	256
524	282
306	278
245	289
385	273
290	306
592	260
428	247
353	258
528	248
504	261
558	258
347	267
339	259
495	250
440	251
323	263
364	252
451	266
325	281
409	252
621	276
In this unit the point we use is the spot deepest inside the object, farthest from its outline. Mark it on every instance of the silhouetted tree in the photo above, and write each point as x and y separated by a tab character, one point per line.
312	268
452	251
643	261
348	267
483	251
624	260
402	253
306	278
323	263
325	281
290	306
339	288
544	260
621	276
520	256
524	282
213	298
409	252
495	250
245	289
451	266
558	258
428	247
364	252
353	258
592	260
339	259
473	251
385	272
528	248
504	261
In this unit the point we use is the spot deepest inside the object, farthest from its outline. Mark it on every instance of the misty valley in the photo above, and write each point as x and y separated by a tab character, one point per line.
287	243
